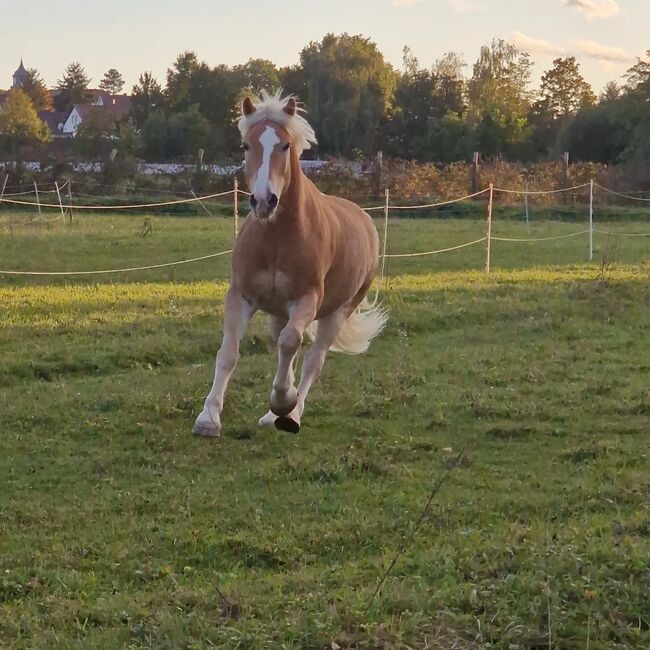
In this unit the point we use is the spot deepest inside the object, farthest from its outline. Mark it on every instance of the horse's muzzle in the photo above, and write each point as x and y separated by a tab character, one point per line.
264	209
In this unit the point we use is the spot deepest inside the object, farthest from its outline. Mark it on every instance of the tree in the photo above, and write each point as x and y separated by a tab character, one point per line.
500	79
348	87
19	123
611	92
73	86
36	90
112	83
564	90
179	78
638	77
257	75
146	97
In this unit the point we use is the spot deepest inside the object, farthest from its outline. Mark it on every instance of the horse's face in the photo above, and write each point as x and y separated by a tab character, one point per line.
267	148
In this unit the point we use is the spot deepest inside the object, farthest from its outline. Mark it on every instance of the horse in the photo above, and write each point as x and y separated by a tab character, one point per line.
304	258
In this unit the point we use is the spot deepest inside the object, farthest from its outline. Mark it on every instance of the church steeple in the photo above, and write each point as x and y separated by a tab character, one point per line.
20	76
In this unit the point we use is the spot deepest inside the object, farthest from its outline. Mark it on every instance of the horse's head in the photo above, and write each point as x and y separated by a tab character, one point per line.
270	130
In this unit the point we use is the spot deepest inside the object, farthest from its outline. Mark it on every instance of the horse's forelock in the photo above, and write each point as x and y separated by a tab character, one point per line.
271	107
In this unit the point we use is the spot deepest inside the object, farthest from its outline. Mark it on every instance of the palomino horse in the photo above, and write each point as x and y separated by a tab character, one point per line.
304	258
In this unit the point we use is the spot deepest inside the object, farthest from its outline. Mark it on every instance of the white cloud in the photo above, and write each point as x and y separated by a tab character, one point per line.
405	3
536	46
595	8
604	53
462	6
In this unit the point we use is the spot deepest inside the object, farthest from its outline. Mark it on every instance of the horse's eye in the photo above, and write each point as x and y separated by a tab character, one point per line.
286	146
245	146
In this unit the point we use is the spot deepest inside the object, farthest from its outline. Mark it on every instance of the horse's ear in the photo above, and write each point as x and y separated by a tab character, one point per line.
291	107
247	107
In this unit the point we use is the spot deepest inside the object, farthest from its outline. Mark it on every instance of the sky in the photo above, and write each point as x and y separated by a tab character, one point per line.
606	36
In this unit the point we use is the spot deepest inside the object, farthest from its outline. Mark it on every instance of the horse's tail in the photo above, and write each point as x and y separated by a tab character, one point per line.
362	326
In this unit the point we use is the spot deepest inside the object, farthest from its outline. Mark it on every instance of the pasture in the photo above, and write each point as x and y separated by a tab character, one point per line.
119	529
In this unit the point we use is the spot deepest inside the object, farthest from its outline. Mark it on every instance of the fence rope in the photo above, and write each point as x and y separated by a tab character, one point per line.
540	192
622	234
625	196
118	206
440	250
441	203
513	239
127	270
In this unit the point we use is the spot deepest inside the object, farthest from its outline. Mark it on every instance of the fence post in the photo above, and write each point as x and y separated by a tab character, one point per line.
4	187
2	193
473	174
38	200
235	206
526	203
385	242
70	199
591	220
488	239
58	193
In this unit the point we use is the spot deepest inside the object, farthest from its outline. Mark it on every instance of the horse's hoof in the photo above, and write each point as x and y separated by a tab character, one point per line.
287	424
206	430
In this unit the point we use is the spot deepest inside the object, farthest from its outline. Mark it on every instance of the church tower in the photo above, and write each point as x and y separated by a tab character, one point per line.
20	76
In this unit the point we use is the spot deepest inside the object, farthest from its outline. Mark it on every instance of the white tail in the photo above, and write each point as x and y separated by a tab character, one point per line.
363	325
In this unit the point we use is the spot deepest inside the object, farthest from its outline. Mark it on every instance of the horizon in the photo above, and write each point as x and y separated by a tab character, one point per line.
606	36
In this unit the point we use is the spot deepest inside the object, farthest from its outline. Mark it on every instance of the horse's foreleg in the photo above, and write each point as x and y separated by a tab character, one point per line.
326	333
237	313
284	396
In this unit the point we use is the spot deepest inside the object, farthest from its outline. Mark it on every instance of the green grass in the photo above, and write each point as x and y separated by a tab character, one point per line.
117	528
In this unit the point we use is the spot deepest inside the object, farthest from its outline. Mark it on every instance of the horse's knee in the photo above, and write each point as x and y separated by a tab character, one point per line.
289	341
227	360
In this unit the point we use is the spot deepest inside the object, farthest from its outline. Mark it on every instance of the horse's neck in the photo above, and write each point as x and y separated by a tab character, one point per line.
299	194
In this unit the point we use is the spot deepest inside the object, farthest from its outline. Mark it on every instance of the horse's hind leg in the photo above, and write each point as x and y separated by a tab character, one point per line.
237	313
326	333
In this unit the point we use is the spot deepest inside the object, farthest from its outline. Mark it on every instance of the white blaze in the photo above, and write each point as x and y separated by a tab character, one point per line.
268	140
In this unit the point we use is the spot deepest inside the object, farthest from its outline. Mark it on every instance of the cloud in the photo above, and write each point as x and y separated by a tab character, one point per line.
604	53
536	46
595	8
462	6
405	3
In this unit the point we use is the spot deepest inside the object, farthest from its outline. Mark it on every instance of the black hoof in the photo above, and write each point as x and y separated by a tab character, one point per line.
287	424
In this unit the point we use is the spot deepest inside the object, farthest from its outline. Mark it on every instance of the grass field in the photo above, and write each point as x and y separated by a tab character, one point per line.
119	529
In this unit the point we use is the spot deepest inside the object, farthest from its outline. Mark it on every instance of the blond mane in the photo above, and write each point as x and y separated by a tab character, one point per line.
271	107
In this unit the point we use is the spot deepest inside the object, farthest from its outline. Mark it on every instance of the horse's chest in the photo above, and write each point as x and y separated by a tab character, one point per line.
272	290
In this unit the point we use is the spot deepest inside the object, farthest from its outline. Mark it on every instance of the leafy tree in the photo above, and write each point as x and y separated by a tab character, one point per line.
420	96
257	75
564	90
638	78
179	78
611	92
146	97
348	87
112	83
37	91
500	80
19	123
73	87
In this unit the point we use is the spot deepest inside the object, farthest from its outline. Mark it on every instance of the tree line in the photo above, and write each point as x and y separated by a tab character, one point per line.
359	104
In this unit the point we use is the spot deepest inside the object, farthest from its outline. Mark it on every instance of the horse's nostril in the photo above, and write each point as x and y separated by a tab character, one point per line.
253	201
273	201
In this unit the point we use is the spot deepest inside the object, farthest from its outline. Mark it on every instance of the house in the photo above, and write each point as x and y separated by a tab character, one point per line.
101	107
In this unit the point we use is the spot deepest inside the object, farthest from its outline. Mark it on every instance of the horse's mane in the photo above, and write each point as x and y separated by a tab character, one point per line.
271	107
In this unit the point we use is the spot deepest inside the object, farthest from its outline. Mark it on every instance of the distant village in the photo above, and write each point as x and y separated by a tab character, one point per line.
65	124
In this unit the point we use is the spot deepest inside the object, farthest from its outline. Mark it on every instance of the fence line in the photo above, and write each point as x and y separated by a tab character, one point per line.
625	196
514	239
127	270
622	234
119	206
387	207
